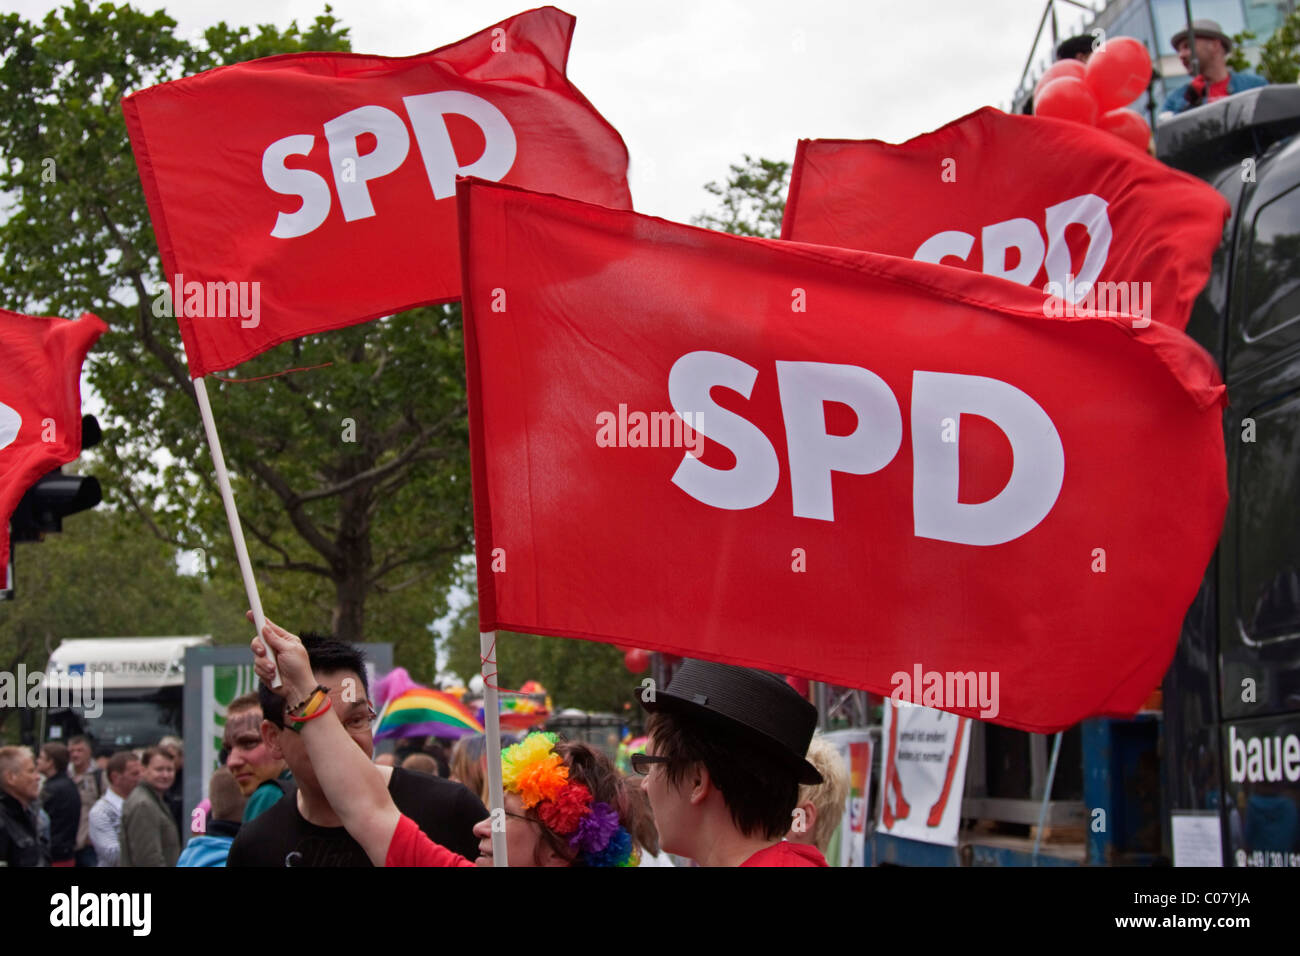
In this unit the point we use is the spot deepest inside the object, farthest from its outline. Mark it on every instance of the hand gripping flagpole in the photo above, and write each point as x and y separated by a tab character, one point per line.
236	529
487	651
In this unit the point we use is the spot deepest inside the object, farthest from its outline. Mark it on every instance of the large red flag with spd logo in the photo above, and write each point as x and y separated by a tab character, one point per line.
828	463
305	192
1046	203
40	402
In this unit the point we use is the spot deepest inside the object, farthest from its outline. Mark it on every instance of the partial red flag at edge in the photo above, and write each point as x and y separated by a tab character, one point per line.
40	390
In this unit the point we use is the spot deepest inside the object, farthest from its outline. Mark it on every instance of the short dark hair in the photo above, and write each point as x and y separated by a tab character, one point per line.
78	739
152	752
119	761
760	793
57	753
326	654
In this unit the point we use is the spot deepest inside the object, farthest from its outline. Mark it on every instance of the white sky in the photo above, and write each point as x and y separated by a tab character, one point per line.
694	84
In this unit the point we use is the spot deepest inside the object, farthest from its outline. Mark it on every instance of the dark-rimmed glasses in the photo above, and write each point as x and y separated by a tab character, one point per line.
641	763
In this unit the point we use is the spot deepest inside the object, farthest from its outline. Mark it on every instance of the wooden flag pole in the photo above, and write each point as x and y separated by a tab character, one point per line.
236	529
487	645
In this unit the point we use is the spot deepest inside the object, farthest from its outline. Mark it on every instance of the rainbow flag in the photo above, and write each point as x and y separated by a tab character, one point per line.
415	711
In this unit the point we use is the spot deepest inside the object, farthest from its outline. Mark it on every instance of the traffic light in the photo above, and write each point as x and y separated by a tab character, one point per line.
56	495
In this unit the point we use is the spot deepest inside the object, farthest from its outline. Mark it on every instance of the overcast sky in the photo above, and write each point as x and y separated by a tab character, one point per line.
693	84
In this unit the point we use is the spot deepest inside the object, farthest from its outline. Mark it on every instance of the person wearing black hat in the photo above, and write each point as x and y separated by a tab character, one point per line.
1214	80
723	764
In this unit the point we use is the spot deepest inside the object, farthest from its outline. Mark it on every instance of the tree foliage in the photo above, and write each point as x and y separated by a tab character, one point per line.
581	674
101	577
752	200
352	477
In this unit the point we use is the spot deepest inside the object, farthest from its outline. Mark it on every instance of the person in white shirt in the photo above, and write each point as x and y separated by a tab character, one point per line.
106	815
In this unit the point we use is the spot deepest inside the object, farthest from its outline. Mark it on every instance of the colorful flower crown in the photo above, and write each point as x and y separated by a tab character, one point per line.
539	776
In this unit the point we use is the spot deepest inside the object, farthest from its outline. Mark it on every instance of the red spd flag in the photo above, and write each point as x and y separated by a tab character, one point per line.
1053	205
306	192
40	403
849	467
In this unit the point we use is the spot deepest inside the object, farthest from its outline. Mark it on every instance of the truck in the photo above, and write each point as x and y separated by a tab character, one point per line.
1231	740
143	683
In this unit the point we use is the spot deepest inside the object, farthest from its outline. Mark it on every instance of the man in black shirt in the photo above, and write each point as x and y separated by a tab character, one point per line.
61	801
303	830
21	843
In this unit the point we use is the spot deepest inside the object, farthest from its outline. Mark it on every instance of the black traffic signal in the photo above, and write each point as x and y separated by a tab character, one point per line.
56	495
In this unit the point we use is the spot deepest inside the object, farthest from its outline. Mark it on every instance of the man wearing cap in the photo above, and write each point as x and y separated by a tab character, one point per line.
1215	80
723	765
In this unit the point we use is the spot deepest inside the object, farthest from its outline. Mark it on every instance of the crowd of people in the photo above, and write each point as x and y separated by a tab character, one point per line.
732	775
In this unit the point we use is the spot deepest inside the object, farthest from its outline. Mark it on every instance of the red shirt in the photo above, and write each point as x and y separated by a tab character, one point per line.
410	847
786	853
1218	90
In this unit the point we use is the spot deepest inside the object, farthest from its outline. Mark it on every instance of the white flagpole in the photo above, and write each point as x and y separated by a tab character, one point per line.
236	529
487	650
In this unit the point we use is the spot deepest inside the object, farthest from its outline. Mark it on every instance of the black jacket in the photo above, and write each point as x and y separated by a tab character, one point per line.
62	801
20	843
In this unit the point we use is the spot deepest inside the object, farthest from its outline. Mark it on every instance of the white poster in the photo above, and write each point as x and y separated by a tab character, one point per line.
855	747
1197	838
923	773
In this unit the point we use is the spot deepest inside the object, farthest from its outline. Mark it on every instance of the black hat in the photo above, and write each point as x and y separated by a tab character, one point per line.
760	706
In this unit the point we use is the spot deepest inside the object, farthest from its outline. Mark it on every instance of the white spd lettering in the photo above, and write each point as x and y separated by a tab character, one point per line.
1037	474
352	172
1032	251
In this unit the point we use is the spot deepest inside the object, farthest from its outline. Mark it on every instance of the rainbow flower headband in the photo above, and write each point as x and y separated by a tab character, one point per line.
538	775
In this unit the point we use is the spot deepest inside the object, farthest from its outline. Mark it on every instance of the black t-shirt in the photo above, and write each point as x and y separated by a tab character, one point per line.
446	811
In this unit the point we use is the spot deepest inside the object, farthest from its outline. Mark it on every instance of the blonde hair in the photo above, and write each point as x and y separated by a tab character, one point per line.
827	797
11	759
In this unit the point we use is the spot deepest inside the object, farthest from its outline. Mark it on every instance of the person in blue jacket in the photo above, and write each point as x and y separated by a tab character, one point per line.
211	845
1214	80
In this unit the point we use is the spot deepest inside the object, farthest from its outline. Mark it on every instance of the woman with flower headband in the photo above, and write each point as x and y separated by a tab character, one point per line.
570	801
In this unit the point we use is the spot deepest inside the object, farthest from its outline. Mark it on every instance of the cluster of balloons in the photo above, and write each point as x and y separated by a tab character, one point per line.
1094	95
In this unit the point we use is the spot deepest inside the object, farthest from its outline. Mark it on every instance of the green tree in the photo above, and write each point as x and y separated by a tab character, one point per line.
352	479
1279	57
577	673
752	199
101	577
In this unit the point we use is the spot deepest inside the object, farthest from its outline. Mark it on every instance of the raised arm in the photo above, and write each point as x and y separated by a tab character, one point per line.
354	787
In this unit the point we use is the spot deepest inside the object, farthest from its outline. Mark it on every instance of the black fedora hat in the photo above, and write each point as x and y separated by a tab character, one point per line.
758	705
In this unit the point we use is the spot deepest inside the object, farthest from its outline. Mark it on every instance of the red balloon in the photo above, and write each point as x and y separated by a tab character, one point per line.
1118	72
1128	126
1067	98
636	660
1057	70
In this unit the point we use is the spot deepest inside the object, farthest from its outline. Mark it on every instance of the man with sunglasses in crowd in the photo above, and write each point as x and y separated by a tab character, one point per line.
725	757
303	829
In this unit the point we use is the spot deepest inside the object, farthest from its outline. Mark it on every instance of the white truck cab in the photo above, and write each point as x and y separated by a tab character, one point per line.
143	680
